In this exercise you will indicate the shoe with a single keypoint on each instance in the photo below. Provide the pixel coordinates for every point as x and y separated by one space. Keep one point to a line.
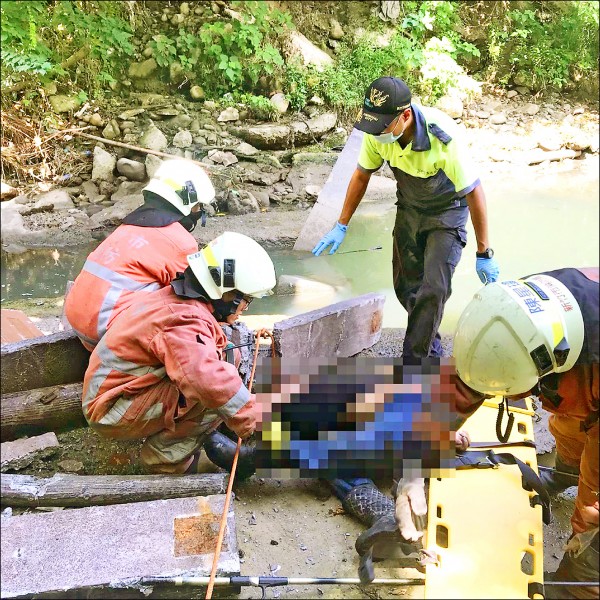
220 450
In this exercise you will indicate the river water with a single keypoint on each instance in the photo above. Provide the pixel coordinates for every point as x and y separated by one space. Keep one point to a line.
537 223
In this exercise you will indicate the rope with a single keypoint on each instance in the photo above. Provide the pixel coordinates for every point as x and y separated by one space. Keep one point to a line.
261 333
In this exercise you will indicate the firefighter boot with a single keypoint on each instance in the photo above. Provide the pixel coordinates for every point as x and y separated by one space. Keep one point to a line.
220 450
577 566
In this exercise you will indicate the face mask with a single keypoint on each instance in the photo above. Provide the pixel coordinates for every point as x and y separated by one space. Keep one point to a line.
387 138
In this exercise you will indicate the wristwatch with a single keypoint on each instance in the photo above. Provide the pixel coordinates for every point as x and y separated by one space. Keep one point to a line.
488 253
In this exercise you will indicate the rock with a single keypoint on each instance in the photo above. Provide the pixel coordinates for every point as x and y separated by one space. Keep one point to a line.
182 139
550 143
72 466
262 177
112 131
578 140
142 70
125 200
152 163
246 149
579 110
62 104
103 166
59 199
335 30
184 8
316 101
313 190
389 10
96 120
181 121
229 114
269 136
451 105
132 169
319 158
67 223
90 189
280 102
177 19
241 202
524 91
299 46
154 139
50 88
262 198
176 73
531 109
197 93
148 52
222 158
482 114
20 453
126 115
498 118
511 94
210 105
7 191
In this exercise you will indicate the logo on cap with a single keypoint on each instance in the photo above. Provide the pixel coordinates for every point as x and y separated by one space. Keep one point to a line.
376 98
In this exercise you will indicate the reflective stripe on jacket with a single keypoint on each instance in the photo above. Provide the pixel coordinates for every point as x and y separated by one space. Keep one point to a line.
160 339
131 259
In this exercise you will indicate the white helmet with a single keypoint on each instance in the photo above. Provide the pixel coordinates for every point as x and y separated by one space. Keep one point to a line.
515 332
233 261
183 184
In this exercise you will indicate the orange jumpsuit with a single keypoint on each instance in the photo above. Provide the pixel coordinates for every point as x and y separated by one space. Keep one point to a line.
158 374
131 259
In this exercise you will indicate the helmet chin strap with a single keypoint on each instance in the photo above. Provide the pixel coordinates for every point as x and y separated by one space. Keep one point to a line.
225 309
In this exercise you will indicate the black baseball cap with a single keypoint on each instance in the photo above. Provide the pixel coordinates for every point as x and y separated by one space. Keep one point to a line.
385 98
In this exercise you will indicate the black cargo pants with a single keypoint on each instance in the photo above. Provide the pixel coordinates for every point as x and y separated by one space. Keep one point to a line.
427 249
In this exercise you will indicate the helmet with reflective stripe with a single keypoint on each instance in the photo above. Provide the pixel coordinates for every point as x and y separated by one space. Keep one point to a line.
183 184
512 333
233 261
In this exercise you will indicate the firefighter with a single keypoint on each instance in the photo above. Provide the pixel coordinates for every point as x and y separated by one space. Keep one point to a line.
540 335
159 371
144 253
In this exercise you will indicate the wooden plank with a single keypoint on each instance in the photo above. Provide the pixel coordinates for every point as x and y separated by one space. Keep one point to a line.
44 361
16 326
99 490
32 412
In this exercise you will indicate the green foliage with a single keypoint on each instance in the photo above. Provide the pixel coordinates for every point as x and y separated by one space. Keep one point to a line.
37 36
238 52
541 49
260 107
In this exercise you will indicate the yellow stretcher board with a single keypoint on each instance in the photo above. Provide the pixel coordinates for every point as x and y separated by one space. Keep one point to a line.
481 524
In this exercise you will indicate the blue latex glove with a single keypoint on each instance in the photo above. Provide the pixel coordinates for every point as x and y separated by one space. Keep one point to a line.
487 269
335 237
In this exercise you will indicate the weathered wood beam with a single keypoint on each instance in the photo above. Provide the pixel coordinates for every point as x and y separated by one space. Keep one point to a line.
44 361
100 490
32 412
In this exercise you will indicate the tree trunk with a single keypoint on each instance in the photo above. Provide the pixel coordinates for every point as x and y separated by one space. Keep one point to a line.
38 411
96 490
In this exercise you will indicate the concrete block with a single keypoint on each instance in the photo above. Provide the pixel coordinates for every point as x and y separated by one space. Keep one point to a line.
342 329
54 359
21 453
110 548
326 210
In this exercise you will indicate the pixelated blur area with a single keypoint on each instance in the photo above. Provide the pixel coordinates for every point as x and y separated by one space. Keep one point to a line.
355 417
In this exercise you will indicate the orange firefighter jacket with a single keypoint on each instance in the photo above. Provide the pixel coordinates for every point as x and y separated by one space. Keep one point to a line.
131 259
159 347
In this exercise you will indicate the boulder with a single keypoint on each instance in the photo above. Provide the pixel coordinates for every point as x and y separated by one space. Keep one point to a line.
126 115
154 139
229 114
335 30
112 130
62 104
8 191
152 163
103 165
241 202
280 102
197 93
182 139
59 199
531 109
132 169
451 105
246 150
222 158
125 200
142 70
268 136
498 118
299 46
96 120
